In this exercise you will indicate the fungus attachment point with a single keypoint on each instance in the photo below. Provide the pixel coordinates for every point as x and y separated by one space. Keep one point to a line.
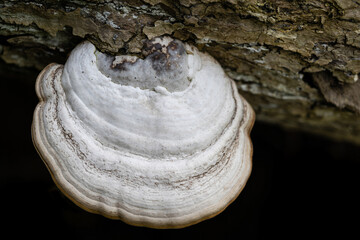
166 65
160 142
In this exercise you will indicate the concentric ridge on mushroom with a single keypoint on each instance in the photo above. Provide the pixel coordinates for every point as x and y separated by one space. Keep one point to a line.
160 142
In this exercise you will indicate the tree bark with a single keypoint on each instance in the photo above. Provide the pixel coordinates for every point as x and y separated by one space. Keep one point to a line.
296 62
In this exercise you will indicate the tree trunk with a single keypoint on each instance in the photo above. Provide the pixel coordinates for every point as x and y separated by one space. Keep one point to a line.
297 62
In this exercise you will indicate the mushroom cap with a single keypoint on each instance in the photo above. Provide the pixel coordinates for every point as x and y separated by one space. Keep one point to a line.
161 142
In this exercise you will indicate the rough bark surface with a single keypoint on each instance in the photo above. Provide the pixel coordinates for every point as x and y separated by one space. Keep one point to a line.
297 62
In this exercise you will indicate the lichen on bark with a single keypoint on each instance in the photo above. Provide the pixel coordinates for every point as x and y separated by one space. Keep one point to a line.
275 50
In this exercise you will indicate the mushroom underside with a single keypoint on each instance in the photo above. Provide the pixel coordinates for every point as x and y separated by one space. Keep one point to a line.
154 158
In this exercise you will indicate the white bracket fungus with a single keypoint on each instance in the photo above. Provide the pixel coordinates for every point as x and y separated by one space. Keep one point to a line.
160 142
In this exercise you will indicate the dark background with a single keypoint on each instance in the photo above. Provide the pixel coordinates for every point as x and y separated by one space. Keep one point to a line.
301 186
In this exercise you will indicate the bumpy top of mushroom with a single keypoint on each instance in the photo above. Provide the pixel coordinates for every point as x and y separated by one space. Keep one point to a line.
159 142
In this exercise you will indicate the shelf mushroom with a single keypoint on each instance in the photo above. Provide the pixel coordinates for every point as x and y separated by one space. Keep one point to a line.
161 142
